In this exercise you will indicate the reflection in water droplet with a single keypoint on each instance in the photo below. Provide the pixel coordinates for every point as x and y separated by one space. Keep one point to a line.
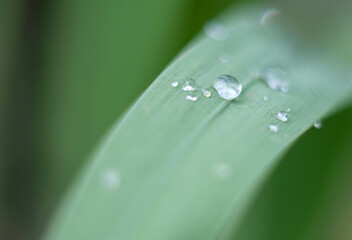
222 171
110 179
174 84
216 31
191 98
265 98
228 87
224 57
206 93
189 85
269 14
282 116
318 124
274 128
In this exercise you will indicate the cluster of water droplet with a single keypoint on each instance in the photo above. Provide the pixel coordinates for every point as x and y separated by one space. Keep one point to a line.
281 116
227 87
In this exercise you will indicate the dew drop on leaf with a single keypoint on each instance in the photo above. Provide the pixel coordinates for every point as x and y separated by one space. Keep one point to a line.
174 84
189 85
282 116
224 57
274 128
191 98
216 31
318 124
227 87
276 79
110 179
222 171
206 93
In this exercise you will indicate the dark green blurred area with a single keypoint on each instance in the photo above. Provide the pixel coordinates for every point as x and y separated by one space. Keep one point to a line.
70 68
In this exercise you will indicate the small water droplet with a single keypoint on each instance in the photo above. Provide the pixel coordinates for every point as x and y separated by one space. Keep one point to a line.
216 31
174 84
276 79
287 109
222 171
189 85
282 116
228 87
318 124
284 87
110 179
274 128
224 57
206 93
191 98
265 98
269 14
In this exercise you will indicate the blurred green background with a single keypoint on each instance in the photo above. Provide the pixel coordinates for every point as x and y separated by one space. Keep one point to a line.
70 68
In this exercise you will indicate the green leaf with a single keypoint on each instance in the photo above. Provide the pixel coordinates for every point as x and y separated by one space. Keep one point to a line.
176 169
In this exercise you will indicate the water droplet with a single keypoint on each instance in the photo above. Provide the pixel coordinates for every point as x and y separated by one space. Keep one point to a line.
276 79
222 171
189 85
265 98
110 179
274 128
191 98
224 57
174 84
287 109
269 14
206 93
216 31
284 87
318 124
282 116
228 87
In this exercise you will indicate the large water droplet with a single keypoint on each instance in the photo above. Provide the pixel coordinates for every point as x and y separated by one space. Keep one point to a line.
228 87
189 85
174 84
318 124
274 128
216 31
110 179
282 116
269 14
191 98
206 93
